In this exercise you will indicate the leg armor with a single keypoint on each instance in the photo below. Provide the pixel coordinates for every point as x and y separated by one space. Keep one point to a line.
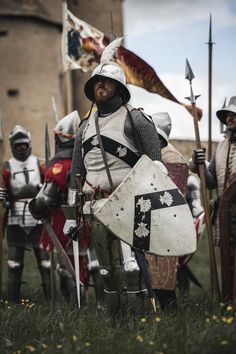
123 283
167 299
93 267
67 285
44 265
15 267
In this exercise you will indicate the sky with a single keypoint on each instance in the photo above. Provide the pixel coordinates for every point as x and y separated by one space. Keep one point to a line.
167 32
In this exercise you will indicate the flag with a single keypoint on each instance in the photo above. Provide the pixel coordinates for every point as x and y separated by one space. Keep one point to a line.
83 45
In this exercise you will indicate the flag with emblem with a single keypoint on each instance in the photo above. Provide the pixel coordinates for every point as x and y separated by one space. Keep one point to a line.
83 45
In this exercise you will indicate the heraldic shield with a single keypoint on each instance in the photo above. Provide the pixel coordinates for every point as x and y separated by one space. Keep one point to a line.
148 212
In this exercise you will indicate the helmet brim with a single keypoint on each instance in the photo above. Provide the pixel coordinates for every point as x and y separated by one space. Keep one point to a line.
89 89
222 113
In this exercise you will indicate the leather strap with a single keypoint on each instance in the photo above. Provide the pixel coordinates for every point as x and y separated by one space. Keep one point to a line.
103 153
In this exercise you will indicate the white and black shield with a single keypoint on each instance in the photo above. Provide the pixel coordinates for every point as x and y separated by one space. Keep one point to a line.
148 212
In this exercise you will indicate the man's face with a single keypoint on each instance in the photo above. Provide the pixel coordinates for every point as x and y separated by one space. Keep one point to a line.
104 89
231 121
21 147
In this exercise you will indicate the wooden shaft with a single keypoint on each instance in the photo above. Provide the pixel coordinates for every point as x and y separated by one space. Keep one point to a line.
1 249
52 279
213 269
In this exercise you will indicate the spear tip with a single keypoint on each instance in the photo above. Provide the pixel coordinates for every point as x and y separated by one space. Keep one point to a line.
189 75
1 133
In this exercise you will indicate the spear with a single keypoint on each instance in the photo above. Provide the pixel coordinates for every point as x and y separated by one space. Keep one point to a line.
213 270
1 206
47 158
210 46
54 108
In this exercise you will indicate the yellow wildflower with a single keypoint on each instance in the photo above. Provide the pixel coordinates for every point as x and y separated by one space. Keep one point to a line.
74 338
214 317
224 342
151 342
87 344
44 346
59 346
30 348
158 319
31 305
139 338
229 320
229 308
143 320
222 304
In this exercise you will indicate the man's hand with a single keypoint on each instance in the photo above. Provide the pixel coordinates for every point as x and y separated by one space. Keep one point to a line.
70 229
3 194
199 156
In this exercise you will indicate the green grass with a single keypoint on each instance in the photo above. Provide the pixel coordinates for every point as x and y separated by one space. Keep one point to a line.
200 326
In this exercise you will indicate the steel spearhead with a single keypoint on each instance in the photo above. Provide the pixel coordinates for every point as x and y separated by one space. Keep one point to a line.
47 146
1 134
189 75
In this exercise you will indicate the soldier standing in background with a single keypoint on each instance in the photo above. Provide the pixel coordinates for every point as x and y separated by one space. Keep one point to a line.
23 176
164 269
47 205
221 175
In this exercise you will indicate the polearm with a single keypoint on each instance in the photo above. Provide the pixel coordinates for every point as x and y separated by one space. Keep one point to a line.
210 47
47 158
1 206
54 108
213 270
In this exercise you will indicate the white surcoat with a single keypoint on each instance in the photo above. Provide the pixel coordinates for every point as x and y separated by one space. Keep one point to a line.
111 126
25 176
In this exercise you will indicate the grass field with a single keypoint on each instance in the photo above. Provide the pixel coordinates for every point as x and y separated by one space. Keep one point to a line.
201 325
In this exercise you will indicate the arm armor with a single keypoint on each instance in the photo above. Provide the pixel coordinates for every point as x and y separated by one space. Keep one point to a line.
194 196
47 198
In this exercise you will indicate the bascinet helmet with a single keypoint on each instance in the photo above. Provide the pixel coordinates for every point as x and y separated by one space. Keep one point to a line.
111 71
20 135
222 113
66 129
163 124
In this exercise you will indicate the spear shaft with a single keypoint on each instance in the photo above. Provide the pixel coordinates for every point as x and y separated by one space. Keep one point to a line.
210 47
213 269
1 206
52 275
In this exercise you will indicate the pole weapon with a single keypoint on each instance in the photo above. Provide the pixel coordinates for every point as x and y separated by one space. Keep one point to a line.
1 206
47 158
210 47
213 270
142 263
54 108
222 128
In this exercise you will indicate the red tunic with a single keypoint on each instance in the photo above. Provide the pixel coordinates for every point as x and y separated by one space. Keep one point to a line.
57 173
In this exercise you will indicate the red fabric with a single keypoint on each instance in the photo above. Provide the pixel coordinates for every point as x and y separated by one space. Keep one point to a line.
57 173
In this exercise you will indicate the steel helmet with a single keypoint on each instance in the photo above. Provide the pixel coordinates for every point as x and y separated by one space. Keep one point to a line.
163 124
111 71
66 129
20 135
222 113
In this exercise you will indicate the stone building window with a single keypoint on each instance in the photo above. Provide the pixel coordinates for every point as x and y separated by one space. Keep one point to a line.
13 92
3 32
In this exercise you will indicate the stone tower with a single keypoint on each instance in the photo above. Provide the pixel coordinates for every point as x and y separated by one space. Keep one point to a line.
31 64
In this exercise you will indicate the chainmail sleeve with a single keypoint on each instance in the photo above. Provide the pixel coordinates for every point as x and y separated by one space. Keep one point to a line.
146 134
211 178
77 165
